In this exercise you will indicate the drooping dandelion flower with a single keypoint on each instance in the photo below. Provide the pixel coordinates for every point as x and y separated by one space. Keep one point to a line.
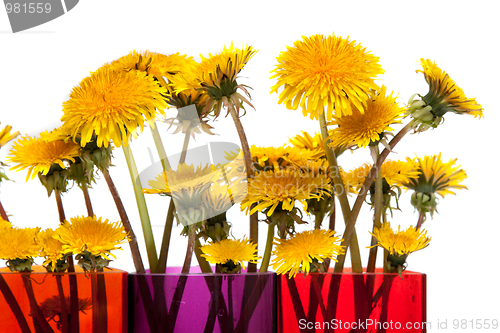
444 96
436 177
329 72
112 104
364 127
93 235
297 253
38 156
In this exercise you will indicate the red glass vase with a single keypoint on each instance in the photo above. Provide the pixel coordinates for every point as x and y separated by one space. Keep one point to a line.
47 302
352 302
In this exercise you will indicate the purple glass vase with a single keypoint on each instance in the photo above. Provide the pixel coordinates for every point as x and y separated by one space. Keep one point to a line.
197 302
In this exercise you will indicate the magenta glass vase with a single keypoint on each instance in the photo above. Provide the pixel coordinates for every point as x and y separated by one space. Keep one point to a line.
196 302
352 302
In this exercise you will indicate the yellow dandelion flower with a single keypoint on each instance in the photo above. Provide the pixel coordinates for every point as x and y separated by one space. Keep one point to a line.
185 175
395 173
155 64
112 104
38 156
6 135
217 76
16 243
219 198
268 189
4 224
435 177
325 72
281 157
400 242
306 141
364 127
57 134
93 235
297 253
51 247
237 251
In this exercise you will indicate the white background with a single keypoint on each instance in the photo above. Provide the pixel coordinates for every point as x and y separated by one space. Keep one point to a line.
40 66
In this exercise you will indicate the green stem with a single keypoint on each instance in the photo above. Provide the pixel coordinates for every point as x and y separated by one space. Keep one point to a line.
377 215
185 146
160 148
247 156
349 230
167 232
143 209
341 192
267 251
204 264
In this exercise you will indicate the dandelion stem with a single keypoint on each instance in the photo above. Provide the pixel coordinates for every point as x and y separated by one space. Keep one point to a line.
60 209
421 219
167 232
267 251
190 249
204 265
134 247
165 243
341 195
88 203
3 214
73 288
349 230
247 156
378 210
11 300
143 209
